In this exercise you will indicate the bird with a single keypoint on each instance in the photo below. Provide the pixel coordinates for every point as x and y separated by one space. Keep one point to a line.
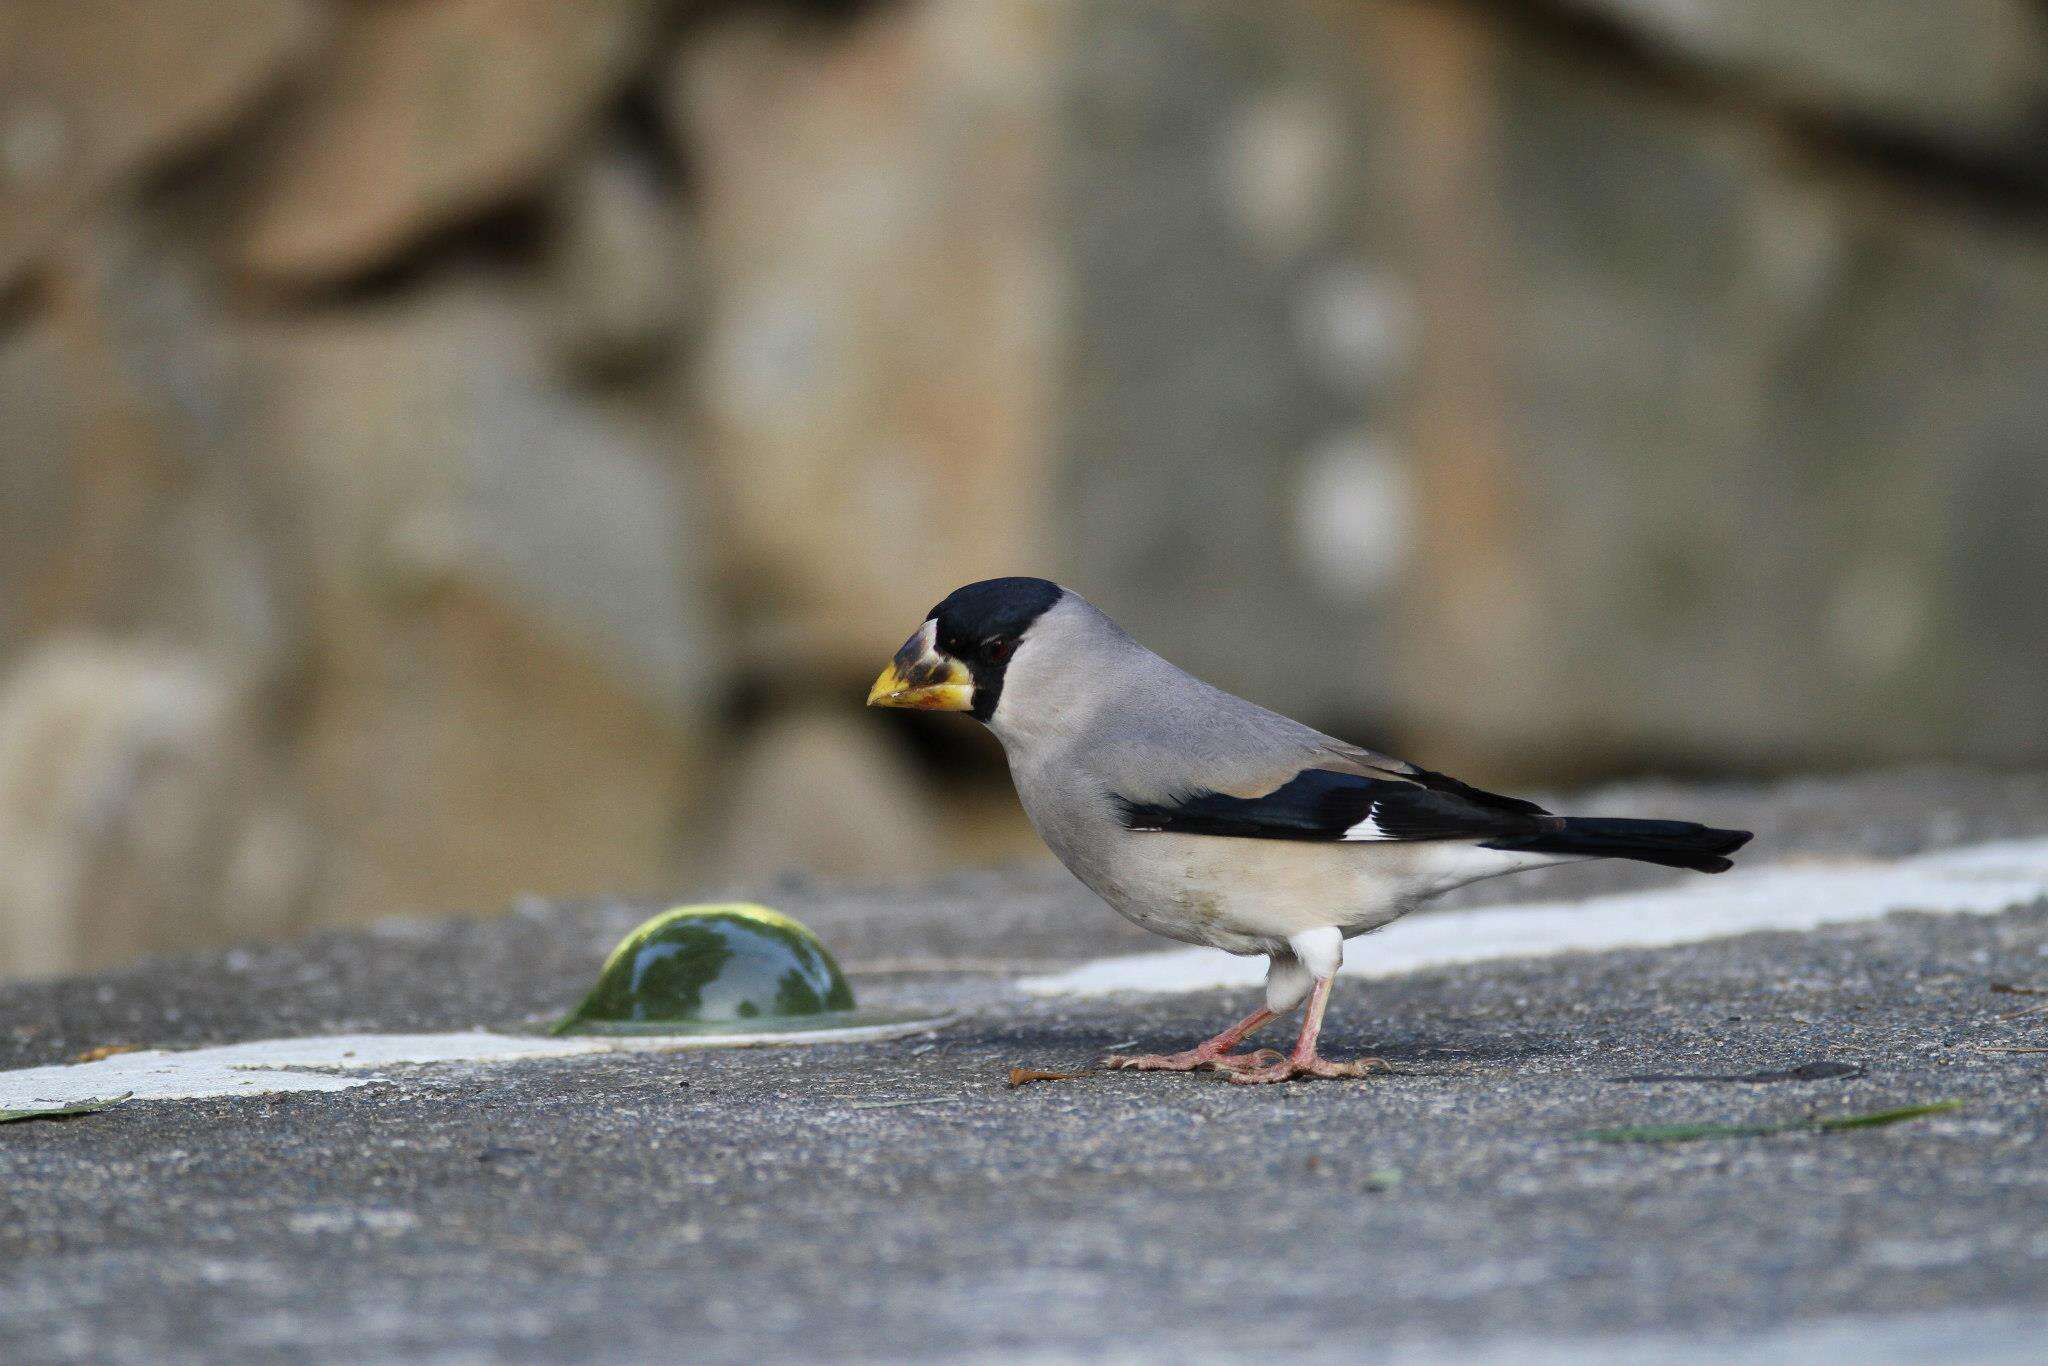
1211 820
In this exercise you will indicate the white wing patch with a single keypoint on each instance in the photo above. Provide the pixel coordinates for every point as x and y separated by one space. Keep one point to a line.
1366 829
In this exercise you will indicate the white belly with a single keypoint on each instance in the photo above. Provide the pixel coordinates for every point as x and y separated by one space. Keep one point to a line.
1241 895
1250 896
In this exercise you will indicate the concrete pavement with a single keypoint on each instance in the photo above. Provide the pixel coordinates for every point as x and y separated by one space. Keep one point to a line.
901 1201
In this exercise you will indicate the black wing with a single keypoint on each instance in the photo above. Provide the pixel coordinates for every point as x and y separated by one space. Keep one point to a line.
1329 805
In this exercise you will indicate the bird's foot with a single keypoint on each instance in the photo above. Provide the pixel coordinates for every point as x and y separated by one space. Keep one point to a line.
1288 1069
1194 1060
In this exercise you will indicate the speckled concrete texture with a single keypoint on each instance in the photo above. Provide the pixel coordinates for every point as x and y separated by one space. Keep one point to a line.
900 1201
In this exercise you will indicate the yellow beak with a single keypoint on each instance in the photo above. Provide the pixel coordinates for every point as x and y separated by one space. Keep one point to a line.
922 679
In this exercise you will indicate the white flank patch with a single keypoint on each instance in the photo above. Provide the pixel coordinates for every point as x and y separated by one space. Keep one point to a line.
1367 829
1977 879
268 1065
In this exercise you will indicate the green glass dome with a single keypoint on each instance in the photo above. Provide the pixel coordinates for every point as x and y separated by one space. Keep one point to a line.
729 968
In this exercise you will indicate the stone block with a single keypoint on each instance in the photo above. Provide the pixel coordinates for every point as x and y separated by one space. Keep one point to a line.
816 792
1967 72
877 374
1232 476
625 268
509 669
135 813
1750 427
129 500
427 113
95 92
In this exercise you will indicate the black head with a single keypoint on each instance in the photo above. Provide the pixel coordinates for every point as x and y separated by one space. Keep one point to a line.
980 625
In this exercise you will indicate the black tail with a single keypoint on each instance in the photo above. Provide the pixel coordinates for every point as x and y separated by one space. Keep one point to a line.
1675 844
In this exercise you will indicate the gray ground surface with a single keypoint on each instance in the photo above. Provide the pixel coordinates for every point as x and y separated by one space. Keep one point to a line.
900 1200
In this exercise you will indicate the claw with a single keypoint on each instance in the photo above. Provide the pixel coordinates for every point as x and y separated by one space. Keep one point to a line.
1209 1055
1288 1069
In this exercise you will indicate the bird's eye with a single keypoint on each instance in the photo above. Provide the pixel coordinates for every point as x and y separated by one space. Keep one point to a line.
999 648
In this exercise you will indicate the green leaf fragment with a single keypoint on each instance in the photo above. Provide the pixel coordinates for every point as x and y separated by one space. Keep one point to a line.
1872 1121
1686 1133
83 1107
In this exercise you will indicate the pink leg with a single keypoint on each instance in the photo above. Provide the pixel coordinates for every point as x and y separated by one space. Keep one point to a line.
1213 1054
1303 1062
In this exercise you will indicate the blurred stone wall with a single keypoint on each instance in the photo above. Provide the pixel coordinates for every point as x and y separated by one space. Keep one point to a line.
1578 387
452 449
